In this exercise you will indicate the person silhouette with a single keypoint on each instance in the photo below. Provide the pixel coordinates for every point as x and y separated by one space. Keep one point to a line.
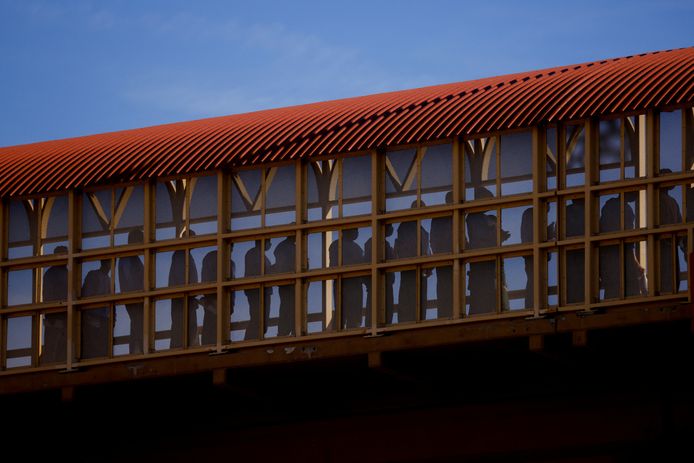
609 255
252 261
669 213
352 291
634 273
131 275
285 255
575 258
177 276
482 281
482 226
208 274
527 237
441 241
575 218
389 276
406 246
232 296
95 326
636 283
669 208
55 323
689 211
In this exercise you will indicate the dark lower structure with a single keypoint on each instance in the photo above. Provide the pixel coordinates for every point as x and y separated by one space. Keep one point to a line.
612 394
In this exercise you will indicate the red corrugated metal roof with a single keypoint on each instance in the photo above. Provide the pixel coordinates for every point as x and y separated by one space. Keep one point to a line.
632 83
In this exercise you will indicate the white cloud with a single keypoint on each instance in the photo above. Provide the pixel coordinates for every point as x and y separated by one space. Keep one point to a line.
285 66
296 68
197 101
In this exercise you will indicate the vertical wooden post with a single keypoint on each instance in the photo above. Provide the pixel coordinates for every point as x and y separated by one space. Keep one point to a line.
219 376
539 214
579 338
458 178
377 237
375 359
4 222
589 209
72 276
536 342
299 198
4 231
67 393
651 158
223 259
148 316
3 346
496 139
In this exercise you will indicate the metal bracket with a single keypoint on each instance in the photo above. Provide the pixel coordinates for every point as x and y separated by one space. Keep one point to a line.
68 370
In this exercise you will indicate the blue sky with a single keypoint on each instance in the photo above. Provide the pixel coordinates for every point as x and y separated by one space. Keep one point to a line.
72 68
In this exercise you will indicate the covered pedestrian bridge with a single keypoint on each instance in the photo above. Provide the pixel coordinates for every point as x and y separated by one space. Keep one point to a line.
491 256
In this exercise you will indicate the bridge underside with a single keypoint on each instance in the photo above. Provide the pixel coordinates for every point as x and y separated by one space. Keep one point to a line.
609 394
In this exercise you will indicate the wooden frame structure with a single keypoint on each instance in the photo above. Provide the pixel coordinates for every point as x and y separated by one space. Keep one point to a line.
377 266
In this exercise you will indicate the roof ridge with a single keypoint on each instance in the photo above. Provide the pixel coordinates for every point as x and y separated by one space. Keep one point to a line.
513 79
568 92
541 73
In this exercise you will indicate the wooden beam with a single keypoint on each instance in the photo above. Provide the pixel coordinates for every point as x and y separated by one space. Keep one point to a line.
375 359
378 164
299 201
149 233
98 208
590 168
46 210
287 351
690 282
539 217
121 204
73 278
4 233
223 260
252 204
652 199
579 338
67 393
458 282
536 342
219 376
487 152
